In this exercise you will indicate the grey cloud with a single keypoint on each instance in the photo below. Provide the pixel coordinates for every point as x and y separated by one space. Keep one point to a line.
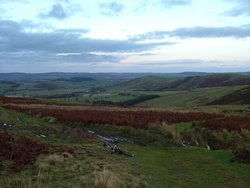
183 65
14 1
241 7
63 41
16 44
111 9
211 32
162 3
7 26
151 35
57 11
64 1
170 3
177 62
147 54
87 57
198 32
42 57
238 11
23 57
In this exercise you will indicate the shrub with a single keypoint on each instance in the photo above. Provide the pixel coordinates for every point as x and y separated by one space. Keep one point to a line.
20 150
242 155
136 118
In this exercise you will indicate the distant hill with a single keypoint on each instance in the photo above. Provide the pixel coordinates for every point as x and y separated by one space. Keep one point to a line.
116 76
214 80
7 86
45 85
160 83
19 83
241 96
78 79
148 83
61 75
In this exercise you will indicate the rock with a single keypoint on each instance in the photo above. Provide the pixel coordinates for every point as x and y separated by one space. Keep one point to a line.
208 147
42 135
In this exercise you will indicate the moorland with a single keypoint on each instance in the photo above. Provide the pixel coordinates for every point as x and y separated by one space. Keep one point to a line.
186 129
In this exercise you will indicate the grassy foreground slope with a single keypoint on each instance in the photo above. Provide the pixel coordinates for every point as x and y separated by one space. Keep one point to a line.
178 167
88 164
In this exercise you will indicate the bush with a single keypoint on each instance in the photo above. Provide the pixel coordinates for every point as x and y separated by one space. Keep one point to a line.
242 155
20 150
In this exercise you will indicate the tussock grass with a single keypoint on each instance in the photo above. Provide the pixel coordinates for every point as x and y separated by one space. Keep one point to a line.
26 181
110 179
107 179
169 131
53 160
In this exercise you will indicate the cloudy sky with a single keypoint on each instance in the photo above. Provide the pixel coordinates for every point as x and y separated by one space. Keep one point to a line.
124 35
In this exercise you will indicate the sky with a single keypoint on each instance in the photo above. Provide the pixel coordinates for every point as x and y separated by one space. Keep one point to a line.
124 36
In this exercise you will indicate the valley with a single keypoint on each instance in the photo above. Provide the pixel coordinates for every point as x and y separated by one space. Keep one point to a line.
179 135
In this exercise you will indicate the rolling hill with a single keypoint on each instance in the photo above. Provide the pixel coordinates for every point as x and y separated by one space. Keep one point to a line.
113 76
160 83
146 83
241 96
190 98
214 80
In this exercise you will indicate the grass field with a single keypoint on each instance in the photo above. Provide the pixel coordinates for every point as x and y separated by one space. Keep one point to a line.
168 99
178 138
157 163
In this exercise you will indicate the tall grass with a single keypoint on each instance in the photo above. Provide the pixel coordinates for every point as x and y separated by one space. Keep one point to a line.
171 132
26 181
168 132
107 179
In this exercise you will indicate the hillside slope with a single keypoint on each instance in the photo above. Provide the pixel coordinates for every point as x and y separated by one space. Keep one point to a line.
160 83
241 96
215 80
190 98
